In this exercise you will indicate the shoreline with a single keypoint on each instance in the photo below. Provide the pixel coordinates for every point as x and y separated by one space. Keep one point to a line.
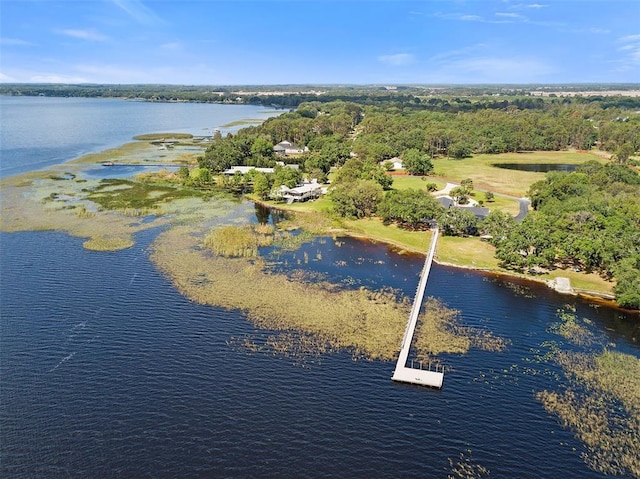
129 151
599 297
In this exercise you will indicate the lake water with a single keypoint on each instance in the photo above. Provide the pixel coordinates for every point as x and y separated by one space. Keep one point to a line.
107 371
538 167
36 132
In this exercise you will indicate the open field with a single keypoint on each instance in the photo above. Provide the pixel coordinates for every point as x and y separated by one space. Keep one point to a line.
404 182
487 177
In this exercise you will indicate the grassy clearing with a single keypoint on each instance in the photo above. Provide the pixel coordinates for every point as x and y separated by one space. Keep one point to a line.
512 182
500 203
470 252
404 182
584 282
404 240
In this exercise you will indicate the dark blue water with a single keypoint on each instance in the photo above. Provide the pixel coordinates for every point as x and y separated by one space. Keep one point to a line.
107 372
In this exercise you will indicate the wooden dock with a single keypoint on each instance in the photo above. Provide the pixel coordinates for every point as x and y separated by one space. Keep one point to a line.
412 375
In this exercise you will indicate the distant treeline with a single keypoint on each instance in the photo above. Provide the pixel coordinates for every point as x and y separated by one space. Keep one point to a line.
436 98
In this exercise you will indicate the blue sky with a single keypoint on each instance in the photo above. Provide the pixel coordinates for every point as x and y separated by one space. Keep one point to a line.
216 42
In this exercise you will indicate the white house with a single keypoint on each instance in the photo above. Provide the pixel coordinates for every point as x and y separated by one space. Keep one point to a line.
306 191
286 148
245 169
395 162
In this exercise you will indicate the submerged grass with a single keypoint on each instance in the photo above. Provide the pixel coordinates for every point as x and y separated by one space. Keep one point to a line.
369 323
602 407
601 403
439 331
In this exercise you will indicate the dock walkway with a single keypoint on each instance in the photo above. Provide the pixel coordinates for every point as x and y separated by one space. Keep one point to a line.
411 375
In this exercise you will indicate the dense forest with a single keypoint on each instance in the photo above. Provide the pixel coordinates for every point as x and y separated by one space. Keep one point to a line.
450 98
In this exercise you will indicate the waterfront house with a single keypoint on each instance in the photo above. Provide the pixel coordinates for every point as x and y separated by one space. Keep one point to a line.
308 190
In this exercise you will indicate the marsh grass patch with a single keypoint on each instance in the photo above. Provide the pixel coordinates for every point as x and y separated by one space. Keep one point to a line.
113 243
302 350
120 194
222 269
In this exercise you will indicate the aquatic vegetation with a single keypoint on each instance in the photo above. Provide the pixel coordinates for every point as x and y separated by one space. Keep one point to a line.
571 328
111 243
439 331
233 241
163 136
465 468
602 407
301 349
369 323
119 194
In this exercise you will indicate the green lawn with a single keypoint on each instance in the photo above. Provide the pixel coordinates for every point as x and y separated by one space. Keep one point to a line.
466 252
485 176
417 241
405 182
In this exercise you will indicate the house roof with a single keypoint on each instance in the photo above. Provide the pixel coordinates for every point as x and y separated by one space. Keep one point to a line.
245 169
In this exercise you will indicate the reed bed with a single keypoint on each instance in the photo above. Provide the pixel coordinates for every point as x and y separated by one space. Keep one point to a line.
571 328
239 241
302 350
601 404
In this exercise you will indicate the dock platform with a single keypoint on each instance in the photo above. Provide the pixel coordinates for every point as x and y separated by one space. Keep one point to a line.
411 375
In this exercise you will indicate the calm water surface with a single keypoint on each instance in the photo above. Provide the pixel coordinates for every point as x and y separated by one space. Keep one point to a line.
36 132
106 371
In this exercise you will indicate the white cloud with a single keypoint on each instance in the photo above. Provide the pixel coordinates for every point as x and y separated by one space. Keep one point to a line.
15 42
630 45
138 11
171 46
398 59
55 78
451 55
523 6
469 18
515 16
6 78
88 34
102 73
